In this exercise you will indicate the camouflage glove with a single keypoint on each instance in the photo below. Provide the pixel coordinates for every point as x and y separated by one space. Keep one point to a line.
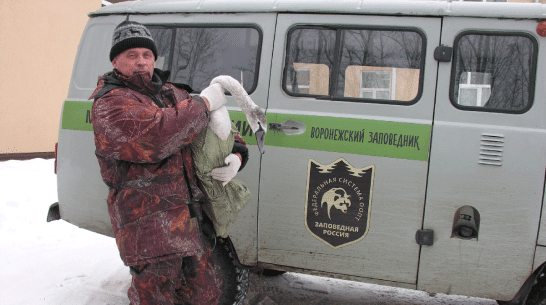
228 172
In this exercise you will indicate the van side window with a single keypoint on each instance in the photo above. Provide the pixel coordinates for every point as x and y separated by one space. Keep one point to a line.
378 65
493 72
195 55
90 63
163 40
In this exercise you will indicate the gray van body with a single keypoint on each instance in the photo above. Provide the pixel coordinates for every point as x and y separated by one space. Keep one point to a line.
420 158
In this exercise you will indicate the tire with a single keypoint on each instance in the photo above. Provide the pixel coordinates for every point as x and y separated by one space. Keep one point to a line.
235 278
537 295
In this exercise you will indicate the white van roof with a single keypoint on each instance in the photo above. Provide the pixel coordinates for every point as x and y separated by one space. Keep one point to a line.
370 7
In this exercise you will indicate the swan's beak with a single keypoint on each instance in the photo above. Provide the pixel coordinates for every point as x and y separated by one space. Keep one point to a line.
260 138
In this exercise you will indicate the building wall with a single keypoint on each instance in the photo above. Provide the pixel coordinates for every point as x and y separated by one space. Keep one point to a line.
39 40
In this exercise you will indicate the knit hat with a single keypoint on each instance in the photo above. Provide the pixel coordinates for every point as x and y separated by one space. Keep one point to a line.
130 34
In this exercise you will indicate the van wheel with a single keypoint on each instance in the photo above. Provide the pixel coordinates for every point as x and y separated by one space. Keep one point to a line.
235 278
537 295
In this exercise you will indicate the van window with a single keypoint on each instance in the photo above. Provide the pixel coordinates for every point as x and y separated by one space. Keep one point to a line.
195 55
493 72
382 65
163 40
91 63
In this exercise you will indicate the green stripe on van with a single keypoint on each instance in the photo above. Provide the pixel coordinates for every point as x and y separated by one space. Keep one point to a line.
354 136
77 116
342 135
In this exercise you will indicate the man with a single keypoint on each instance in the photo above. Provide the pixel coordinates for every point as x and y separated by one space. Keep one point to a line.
142 127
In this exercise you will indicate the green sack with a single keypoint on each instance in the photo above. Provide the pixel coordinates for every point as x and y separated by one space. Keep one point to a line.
224 202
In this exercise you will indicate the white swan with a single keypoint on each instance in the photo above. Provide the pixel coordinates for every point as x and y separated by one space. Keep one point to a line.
212 154
220 122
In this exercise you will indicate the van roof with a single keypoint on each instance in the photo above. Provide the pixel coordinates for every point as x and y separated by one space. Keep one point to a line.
369 7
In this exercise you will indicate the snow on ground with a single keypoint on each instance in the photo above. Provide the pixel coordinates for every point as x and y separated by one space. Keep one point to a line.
60 264
51 263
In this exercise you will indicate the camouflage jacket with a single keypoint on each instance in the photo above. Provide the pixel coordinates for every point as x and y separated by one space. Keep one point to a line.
142 128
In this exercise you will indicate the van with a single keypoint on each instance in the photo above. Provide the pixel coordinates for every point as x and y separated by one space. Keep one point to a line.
406 141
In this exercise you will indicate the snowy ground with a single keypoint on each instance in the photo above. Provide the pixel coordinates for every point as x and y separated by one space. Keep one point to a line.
51 263
59 264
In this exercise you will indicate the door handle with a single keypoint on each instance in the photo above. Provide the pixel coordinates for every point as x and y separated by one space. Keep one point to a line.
289 127
279 126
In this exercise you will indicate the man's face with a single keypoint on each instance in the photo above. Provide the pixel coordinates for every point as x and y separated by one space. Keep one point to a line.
134 60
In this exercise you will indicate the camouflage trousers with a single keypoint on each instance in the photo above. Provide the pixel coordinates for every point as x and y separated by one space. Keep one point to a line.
188 280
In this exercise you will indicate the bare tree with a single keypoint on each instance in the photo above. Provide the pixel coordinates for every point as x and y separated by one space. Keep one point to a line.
163 40
195 57
313 46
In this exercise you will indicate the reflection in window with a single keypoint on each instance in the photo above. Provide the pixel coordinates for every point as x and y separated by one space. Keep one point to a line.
369 64
309 79
202 53
474 89
311 50
376 84
388 61
494 72
302 81
163 40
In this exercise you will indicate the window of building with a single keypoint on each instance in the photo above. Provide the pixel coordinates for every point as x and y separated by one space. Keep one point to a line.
302 80
474 89
376 84
493 72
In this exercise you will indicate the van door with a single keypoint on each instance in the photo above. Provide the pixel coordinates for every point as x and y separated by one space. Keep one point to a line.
488 154
239 45
195 48
343 178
